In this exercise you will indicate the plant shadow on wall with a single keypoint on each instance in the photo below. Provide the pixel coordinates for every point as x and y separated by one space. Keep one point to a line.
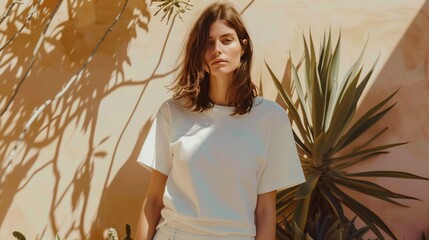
63 51
322 110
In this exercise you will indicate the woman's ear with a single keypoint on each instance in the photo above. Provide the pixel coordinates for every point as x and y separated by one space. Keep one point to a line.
243 42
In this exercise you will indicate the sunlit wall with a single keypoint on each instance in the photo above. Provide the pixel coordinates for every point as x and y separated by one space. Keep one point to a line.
75 172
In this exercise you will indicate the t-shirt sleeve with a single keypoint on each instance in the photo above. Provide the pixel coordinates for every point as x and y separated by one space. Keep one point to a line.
283 167
156 152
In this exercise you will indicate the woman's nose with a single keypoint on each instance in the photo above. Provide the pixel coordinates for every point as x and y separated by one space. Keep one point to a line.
217 49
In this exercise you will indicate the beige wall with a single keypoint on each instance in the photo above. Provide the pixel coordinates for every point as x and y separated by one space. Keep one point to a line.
76 173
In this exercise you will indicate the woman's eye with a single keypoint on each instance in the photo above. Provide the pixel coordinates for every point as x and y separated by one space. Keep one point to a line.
227 41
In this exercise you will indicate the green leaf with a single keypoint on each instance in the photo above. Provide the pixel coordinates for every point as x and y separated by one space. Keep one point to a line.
345 163
333 202
301 60
370 150
303 197
371 189
290 106
358 130
332 79
378 134
392 174
342 114
307 72
301 98
285 192
284 200
162 6
324 61
316 93
319 149
361 87
364 213
350 73
281 233
365 122
305 189
301 145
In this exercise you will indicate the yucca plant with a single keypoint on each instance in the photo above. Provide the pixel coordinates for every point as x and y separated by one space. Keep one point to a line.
322 226
325 226
324 127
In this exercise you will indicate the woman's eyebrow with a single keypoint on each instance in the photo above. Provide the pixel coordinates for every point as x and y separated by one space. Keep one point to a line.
224 35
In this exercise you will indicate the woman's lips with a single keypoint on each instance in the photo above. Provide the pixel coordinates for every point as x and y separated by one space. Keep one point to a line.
220 61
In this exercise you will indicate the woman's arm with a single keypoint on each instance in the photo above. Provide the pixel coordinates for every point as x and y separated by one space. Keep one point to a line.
265 215
152 205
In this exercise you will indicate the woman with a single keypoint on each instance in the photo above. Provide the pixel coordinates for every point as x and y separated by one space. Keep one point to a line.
217 152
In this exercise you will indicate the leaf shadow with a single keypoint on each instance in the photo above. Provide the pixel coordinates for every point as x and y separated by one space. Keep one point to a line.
63 53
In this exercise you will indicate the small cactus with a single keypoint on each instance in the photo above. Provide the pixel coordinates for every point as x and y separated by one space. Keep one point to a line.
18 235
57 237
112 234
128 232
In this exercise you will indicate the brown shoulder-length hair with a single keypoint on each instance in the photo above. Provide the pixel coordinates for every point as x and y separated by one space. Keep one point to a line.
193 81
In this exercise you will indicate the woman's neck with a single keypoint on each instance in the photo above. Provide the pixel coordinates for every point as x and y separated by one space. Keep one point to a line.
218 91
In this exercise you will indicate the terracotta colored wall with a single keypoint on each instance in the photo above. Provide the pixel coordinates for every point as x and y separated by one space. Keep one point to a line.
76 173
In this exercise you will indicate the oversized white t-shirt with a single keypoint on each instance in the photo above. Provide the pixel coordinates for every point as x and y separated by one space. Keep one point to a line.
217 164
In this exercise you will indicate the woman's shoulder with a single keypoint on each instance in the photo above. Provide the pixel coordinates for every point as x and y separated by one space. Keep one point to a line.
270 110
173 105
264 104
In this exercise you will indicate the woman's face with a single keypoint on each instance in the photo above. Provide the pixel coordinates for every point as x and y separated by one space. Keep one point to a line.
223 51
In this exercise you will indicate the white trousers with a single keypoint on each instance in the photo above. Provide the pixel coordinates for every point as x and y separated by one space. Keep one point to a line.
166 233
